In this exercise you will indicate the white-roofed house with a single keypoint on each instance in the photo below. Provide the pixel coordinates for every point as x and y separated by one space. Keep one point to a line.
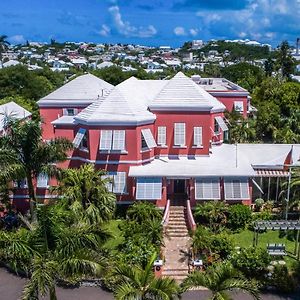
11 110
160 139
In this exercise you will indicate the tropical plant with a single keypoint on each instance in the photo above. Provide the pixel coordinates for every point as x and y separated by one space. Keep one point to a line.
213 213
282 279
239 216
3 45
136 282
24 154
86 188
53 249
252 261
221 279
142 211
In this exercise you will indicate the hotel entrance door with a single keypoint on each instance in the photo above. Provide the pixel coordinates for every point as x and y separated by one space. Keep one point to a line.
179 186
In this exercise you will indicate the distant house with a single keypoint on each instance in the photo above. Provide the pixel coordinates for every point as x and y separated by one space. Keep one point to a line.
11 110
10 63
105 64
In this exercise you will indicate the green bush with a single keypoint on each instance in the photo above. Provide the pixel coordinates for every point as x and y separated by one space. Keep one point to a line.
239 216
282 280
259 202
253 262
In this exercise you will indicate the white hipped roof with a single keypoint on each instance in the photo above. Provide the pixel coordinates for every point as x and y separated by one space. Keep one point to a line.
131 102
12 110
182 93
84 89
226 160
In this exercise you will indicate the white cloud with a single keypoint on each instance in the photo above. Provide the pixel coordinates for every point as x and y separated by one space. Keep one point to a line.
105 30
194 31
179 31
125 28
17 39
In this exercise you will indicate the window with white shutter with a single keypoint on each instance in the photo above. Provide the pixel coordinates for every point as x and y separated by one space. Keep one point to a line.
148 188
236 189
148 137
179 134
161 135
105 140
197 136
42 180
207 189
70 111
78 138
117 184
112 140
118 140
239 106
221 123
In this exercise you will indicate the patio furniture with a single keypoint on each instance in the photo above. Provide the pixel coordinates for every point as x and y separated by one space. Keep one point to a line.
276 249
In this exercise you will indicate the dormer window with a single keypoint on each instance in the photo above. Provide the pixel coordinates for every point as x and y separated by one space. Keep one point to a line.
70 111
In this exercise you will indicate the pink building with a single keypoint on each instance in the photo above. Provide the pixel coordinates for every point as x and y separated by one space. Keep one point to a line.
161 139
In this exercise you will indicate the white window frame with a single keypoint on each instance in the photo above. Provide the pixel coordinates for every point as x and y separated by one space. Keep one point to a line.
198 136
148 188
66 111
179 134
162 136
239 106
118 143
236 188
112 140
149 139
42 180
79 136
207 188
118 184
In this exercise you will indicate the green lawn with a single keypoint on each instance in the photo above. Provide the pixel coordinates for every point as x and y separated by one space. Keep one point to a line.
245 239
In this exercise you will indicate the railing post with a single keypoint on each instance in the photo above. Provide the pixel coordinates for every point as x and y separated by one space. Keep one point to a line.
190 217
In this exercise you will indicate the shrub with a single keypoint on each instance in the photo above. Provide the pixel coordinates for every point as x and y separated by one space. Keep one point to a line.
213 214
239 216
253 262
222 244
282 280
259 202
142 211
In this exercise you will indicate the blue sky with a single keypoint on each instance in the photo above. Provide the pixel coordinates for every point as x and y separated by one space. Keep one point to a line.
150 22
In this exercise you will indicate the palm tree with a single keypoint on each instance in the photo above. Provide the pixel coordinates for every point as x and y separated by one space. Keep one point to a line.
23 154
141 211
87 188
221 279
3 45
137 283
54 248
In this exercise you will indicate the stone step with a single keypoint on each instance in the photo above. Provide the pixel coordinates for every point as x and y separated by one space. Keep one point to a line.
172 235
177 225
179 218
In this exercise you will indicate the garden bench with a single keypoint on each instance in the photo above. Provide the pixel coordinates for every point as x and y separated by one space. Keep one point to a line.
276 249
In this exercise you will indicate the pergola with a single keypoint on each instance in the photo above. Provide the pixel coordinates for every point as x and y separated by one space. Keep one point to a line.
278 225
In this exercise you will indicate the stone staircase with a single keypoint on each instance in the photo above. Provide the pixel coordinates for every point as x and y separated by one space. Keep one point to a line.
177 243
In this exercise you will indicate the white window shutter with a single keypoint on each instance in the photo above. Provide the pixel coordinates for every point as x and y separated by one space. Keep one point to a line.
75 111
79 136
148 188
65 112
147 134
105 140
119 184
118 140
236 189
221 123
109 185
42 181
179 134
207 189
162 135
198 136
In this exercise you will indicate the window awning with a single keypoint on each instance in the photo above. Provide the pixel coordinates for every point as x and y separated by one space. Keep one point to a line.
147 134
221 123
79 136
271 173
